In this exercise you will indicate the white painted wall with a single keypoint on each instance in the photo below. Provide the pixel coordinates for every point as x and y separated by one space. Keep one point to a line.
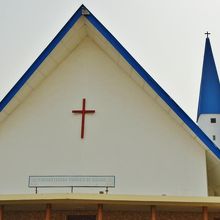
211 129
130 135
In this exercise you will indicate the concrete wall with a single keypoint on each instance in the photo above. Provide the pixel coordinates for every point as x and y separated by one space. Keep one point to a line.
130 136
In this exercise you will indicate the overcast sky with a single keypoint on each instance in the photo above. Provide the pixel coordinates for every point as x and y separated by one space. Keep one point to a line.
165 37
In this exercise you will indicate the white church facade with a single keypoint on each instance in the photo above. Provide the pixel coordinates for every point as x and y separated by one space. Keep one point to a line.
91 135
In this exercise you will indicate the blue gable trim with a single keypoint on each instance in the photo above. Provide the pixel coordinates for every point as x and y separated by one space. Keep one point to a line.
154 85
40 59
127 56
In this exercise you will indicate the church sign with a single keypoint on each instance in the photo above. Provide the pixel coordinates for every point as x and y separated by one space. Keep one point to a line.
71 181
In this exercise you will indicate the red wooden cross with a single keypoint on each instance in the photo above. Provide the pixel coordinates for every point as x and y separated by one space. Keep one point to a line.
83 112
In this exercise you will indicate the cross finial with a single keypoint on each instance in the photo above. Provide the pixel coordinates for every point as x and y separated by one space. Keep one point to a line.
207 34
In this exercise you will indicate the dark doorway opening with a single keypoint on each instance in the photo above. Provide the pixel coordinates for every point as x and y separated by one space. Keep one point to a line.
81 217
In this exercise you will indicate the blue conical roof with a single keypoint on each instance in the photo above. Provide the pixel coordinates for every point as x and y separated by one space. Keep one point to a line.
209 98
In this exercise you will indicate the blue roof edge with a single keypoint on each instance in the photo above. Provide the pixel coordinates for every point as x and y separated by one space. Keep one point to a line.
40 58
127 56
154 85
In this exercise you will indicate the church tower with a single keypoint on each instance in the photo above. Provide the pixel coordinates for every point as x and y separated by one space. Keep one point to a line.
208 116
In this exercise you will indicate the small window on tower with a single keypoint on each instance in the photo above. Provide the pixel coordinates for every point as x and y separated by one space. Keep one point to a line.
213 137
213 120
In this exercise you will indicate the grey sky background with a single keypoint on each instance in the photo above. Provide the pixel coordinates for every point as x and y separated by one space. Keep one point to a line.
165 37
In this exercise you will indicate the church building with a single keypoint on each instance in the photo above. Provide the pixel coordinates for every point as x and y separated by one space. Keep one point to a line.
86 133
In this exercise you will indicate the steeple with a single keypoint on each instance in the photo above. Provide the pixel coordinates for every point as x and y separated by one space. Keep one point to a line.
209 98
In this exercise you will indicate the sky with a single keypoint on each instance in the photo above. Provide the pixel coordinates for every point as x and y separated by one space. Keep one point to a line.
166 37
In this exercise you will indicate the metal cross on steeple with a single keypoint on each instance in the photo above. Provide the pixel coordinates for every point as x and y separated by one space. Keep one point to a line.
207 33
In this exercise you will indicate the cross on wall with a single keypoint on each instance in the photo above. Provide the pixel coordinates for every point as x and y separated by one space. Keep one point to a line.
83 111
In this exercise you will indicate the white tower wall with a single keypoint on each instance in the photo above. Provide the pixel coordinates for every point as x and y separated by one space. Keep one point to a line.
210 124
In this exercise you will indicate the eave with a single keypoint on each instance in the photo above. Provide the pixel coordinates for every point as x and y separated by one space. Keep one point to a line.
110 202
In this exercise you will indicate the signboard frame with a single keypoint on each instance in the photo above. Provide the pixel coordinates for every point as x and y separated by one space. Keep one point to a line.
71 178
